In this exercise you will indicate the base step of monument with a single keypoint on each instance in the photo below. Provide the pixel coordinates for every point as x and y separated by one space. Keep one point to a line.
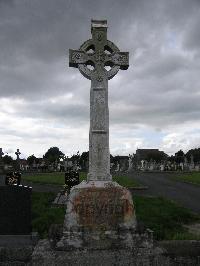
45 255
16 256
17 249
153 256
19 240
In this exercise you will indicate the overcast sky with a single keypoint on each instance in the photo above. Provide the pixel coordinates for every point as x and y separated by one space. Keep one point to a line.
153 104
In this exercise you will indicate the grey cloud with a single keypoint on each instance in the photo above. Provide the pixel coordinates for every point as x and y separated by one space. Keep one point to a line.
159 89
191 37
74 113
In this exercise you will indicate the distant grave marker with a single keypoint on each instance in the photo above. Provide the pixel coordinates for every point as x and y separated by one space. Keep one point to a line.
18 160
13 178
1 161
71 179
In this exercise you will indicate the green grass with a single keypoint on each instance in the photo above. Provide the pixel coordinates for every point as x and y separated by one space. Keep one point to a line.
57 178
126 182
184 236
193 178
43 215
164 217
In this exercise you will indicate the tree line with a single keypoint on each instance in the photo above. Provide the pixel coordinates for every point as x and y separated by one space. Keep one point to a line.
54 154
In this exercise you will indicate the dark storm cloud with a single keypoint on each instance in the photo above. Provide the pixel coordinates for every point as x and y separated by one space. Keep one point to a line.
159 89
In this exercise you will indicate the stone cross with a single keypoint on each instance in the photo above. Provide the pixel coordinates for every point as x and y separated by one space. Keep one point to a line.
1 153
130 162
1 161
99 60
18 160
17 153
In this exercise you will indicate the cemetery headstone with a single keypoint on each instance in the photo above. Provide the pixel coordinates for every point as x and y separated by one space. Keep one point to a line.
18 160
13 178
130 162
151 165
143 164
185 163
15 210
117 167
162 167
191 162
71 179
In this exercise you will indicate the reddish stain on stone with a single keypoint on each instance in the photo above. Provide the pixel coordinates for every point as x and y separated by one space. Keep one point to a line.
103 208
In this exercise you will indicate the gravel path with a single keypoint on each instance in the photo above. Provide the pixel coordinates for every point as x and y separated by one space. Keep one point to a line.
160 184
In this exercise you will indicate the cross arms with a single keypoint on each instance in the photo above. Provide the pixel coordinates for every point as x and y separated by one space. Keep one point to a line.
120 59
77 57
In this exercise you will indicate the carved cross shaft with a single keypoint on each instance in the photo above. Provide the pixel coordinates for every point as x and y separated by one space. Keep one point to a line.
99 60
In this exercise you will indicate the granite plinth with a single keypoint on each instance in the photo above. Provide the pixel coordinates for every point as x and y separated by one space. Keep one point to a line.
100 214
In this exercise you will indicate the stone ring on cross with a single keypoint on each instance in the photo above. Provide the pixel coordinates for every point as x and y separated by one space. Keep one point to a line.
98 58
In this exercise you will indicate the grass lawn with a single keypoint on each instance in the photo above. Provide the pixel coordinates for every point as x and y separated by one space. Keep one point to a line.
193 178
57 178
164 217
43 215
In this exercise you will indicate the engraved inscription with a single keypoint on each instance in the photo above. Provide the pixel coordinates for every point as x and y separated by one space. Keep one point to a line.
98 207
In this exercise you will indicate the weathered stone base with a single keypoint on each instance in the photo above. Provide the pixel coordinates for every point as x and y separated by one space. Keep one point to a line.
99 215
17 250
164 254
16 256
105 240
45 255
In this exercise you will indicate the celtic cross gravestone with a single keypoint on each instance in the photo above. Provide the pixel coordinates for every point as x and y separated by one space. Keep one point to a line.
99 211
18 159
99 60
100 225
